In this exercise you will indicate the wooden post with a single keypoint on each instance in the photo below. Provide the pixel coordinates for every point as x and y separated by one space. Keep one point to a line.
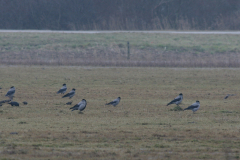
128 50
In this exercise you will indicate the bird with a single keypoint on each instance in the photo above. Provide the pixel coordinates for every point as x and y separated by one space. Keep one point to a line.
14 103
194 107
80 106
68 103
227 96
177 100
25 103
63 89
10 92
114 102
70 94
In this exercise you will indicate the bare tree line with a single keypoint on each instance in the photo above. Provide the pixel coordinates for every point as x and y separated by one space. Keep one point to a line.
120 14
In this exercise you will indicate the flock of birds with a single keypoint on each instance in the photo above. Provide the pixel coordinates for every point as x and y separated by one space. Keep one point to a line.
82 104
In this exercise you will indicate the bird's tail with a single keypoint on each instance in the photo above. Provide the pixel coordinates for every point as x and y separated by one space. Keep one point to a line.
169 103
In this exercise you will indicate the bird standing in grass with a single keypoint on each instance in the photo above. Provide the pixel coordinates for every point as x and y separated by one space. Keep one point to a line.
10 92
80 106
177 100
70 94
63 89
194 107
114 102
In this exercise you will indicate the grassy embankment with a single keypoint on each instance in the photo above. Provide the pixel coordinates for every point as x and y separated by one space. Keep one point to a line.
166 50
140 127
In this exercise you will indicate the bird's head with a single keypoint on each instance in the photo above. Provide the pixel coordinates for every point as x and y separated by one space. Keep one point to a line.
12 87
180 94
64 84
74 89
197 101
119 98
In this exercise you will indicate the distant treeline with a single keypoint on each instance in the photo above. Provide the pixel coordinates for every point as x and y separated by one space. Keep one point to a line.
120 14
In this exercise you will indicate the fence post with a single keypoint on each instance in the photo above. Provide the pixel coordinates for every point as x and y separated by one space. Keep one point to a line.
128 50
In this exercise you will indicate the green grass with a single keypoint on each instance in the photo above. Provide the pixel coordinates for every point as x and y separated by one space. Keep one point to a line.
140 127
71 49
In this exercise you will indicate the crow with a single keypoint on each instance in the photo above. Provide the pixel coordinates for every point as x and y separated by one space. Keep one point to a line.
70 94
10 92
63 89
80 106
177 100
114 102
194 107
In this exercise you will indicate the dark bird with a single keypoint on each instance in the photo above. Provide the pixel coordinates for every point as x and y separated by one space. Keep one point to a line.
10 92
114 102
63 89
80 106
68 103
177 100
25 103
70 94
227 96
194 107
14 103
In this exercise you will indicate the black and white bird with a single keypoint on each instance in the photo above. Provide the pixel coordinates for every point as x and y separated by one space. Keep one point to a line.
14 103
114 102
80 106
63 89
10 92
70 94
177 100
194 107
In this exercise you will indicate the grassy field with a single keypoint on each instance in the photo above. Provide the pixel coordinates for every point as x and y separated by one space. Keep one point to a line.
146 49
140 127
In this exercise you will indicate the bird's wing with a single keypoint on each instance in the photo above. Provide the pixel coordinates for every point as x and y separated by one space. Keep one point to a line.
114 101
194 105
69 94
62 90
176 99
75 107
10 91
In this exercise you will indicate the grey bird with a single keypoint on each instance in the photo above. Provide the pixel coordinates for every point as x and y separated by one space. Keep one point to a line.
80 106
177 100
194 107
14 103
10 92
70 94
114 102
63 89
